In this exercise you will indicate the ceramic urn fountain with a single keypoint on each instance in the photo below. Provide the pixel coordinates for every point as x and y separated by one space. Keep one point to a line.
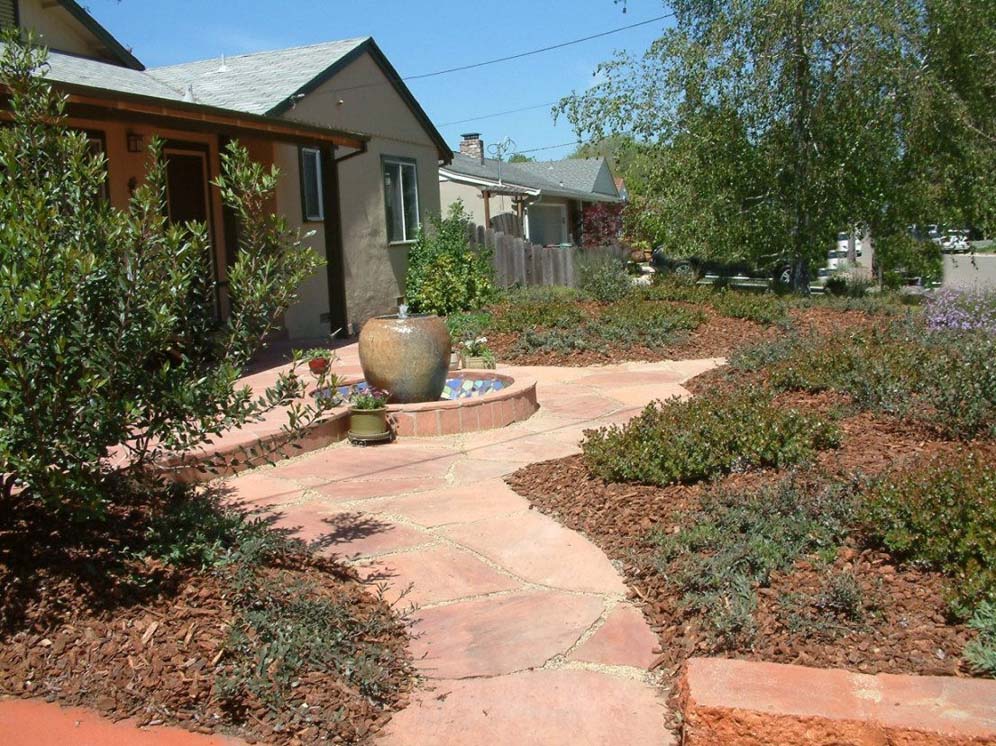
406 355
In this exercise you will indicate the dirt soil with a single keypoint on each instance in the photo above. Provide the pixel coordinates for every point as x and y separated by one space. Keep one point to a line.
79 625
903 625
717 336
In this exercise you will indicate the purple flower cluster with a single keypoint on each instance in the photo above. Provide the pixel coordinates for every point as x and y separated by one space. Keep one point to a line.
962 310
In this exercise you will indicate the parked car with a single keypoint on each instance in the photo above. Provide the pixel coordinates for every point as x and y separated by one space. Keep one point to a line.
779 270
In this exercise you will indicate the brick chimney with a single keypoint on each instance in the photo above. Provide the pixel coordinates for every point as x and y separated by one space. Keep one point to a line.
472 145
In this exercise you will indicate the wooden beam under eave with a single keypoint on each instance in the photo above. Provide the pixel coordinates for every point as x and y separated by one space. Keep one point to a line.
86 107
487 208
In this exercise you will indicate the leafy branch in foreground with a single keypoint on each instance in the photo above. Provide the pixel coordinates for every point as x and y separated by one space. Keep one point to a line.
111 347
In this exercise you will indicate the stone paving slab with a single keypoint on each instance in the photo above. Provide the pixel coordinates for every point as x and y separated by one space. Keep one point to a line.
540 550
464 503
34 722
501 634
534 708
435 575
623 640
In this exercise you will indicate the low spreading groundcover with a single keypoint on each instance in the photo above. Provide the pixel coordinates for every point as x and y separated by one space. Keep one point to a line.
175 609
776 540
666 320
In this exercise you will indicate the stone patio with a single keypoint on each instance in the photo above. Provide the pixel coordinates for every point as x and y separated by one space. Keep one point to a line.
523 633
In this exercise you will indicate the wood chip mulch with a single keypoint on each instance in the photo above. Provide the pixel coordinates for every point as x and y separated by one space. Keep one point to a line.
903 626
145 641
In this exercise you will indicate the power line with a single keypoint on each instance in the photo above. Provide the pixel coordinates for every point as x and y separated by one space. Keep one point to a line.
550 48
498 114
507 58
550 147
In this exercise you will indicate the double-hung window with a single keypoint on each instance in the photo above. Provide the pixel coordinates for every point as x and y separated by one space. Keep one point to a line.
401 199
312 196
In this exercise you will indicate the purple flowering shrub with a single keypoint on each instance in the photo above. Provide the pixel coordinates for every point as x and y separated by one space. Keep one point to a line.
962 310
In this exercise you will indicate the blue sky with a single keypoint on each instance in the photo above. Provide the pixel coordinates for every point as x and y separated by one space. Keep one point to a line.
418 36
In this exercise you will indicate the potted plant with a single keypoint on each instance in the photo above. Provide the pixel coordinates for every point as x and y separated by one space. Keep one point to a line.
319 360
476 355
368 415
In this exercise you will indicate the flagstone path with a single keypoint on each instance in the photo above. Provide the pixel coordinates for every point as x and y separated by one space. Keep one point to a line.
523 633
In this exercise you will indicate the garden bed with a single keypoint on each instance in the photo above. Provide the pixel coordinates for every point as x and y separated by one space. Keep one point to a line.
843 523
189 614
560 327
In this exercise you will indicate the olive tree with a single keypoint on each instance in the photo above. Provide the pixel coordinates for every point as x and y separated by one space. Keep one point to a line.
112 353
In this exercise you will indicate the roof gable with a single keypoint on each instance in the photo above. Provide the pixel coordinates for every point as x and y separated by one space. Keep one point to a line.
271 82
116 49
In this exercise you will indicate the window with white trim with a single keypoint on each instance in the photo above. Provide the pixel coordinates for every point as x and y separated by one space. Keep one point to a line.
312 196
401 199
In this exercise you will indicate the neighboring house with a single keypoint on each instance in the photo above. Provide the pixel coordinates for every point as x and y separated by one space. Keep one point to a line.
547 198
358 156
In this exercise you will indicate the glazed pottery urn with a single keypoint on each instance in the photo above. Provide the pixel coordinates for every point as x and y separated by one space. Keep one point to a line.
408 356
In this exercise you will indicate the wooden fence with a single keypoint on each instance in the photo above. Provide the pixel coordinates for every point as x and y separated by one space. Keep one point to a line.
518 262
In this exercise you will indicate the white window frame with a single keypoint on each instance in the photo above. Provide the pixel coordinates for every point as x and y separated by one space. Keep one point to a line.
408 232
318 217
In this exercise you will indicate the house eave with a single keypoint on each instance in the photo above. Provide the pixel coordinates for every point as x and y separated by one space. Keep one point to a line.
117 103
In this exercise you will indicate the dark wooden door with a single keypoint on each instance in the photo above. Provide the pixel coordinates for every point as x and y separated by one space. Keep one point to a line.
187 187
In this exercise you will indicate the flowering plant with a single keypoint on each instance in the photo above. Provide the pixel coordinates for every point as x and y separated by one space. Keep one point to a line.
476 347
962 310
368 398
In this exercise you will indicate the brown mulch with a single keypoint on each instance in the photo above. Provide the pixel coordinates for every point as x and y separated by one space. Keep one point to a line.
84 623
902 627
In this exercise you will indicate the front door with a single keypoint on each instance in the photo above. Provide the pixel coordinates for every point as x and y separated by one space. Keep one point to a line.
188 182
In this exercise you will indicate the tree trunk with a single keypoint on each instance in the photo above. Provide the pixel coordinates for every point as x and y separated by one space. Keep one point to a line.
801 106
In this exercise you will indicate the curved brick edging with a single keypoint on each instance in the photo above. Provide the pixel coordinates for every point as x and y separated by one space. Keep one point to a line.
514 403
746 703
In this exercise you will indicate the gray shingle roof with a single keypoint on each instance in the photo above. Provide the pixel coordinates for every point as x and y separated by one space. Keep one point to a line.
255 83
579 174
573 177
67 68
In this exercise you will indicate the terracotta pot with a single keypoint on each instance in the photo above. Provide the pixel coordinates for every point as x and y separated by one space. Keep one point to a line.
368 421
318 365
409 358
476 362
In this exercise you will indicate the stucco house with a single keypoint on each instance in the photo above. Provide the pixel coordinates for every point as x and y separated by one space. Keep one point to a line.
545 198
359 159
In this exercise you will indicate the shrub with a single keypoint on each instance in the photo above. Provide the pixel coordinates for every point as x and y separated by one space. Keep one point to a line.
761 308
944 379
108 334
524 313
445 275
942 512
733 541
602 276
465 325
557 340
685 441
633 322
981 652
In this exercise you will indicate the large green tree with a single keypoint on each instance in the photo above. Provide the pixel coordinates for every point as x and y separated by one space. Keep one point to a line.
768 125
